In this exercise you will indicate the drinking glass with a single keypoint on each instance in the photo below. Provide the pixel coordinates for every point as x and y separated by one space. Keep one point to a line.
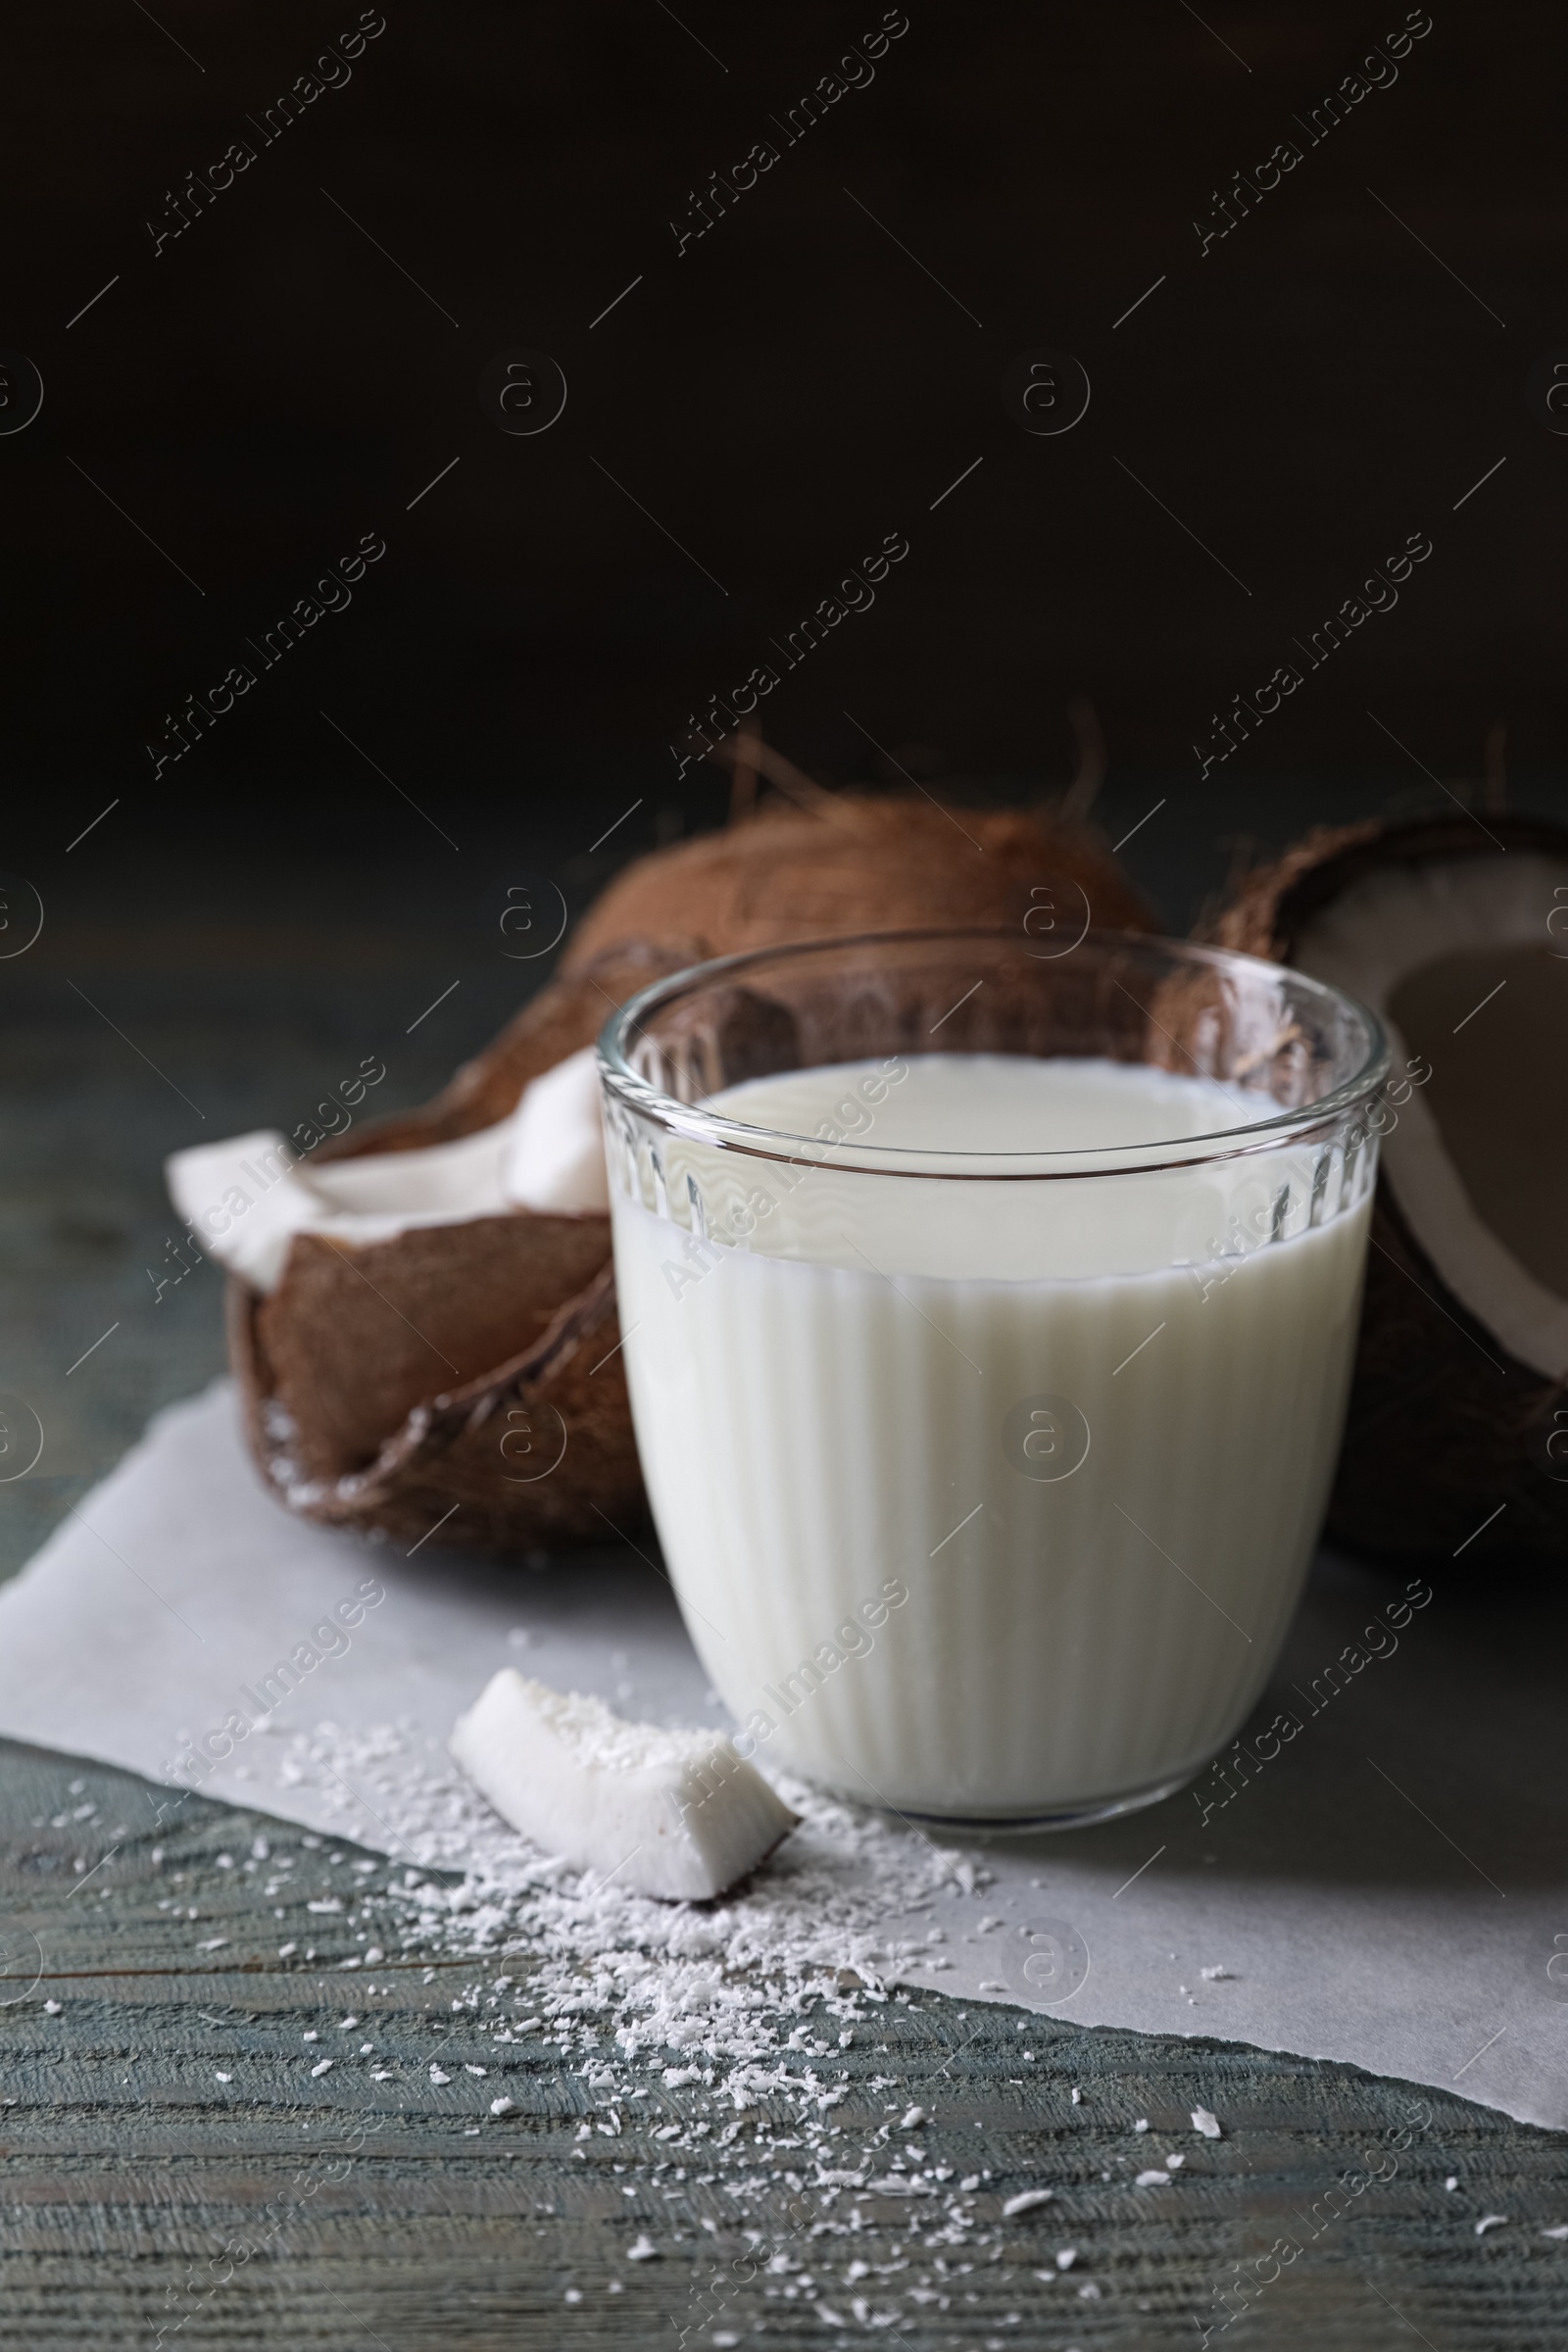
988 1479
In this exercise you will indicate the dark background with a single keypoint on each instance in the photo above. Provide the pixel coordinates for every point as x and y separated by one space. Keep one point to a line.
789 388
230 416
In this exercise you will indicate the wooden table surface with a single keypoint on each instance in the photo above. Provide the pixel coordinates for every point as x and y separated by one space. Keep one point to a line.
173 2169
171 2160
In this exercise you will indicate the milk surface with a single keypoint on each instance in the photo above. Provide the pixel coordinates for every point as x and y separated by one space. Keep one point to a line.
989 1498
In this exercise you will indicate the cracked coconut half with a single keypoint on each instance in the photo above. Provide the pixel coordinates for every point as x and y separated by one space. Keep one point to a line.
1454 932
423 1314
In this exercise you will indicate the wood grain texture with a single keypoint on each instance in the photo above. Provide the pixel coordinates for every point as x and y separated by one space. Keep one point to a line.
142 2190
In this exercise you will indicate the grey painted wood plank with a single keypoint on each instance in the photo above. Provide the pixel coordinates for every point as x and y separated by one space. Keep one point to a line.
401 2213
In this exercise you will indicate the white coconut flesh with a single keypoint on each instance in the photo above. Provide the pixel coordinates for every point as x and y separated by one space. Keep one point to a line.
246 1199
671 1813
1467 969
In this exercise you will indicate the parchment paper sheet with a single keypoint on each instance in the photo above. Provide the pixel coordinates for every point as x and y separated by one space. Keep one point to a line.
1388 1890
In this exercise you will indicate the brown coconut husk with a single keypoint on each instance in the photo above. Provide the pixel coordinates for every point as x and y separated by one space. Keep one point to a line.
865 863
382 1384
426 1378
486 1463
1444 1425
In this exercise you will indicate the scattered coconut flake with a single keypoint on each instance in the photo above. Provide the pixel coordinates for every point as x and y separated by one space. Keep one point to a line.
1452 2181
223 2078
1174 2163
1026 2200
1489 2220
1066 2258
1217 1975
748 2000
678 1812
1206 2123
1560 2231
436 2075
1141 2124
501 2106
642 2249
213 1944
52 2008
912 2116
1152 2179
321 2066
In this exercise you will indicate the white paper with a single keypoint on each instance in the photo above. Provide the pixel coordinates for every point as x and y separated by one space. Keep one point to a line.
1389 1890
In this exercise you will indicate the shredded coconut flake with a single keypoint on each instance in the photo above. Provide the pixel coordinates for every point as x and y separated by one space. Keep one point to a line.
721 2000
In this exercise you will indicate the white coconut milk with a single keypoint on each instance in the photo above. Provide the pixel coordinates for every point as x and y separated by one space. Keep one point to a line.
989 1500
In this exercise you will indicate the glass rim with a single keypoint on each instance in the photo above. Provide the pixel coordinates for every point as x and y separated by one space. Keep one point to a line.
698 1123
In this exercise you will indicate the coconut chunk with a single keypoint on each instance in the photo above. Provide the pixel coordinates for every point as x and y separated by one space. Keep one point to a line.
677 1814
245 1199
553 1154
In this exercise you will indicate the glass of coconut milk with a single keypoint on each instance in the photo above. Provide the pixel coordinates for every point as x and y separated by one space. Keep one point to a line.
988 1312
